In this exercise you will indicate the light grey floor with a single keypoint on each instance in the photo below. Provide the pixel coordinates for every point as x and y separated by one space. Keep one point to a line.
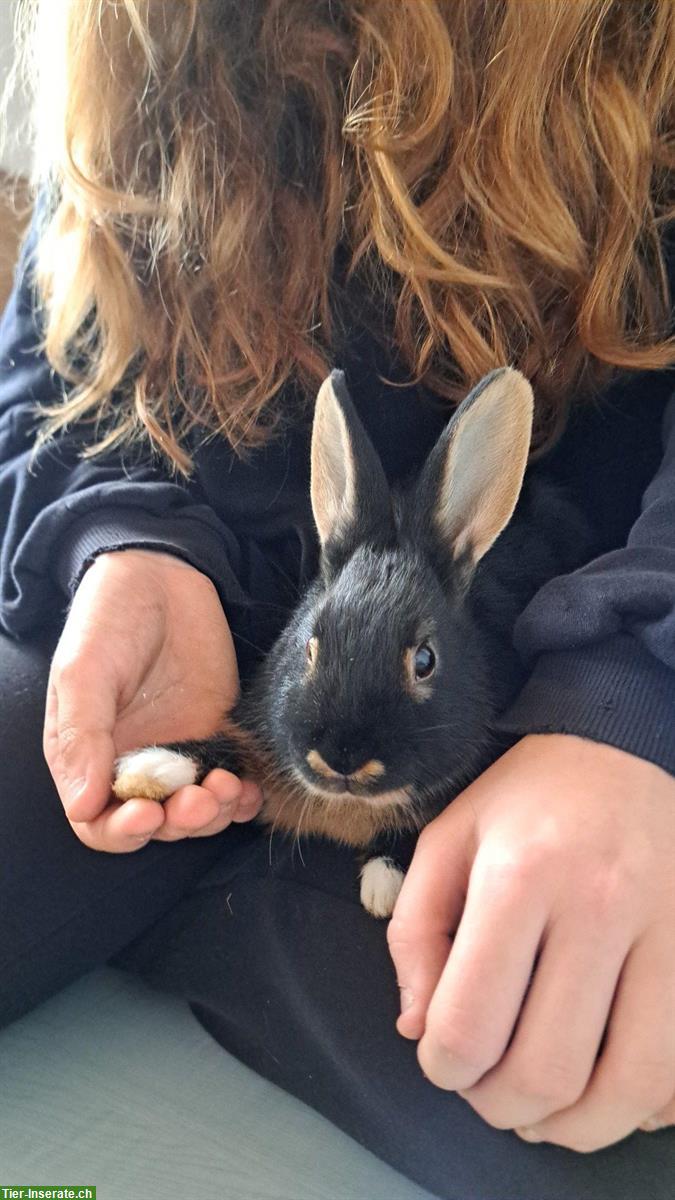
113 1085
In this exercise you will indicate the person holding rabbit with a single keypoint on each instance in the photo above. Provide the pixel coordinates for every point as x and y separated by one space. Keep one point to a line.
465 209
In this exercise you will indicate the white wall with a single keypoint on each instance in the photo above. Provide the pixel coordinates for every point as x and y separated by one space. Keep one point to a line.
15 152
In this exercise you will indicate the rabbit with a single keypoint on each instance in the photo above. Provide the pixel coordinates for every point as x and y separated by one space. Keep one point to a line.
376 704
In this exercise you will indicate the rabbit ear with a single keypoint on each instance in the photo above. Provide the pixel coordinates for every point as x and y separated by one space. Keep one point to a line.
473 477
350 496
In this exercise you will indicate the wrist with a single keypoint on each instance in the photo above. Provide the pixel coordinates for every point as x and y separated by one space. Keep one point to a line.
583 752
156 563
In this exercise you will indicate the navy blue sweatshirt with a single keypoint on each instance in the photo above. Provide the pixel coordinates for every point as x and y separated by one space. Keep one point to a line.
599 644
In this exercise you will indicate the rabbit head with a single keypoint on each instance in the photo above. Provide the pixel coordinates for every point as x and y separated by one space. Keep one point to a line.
379 685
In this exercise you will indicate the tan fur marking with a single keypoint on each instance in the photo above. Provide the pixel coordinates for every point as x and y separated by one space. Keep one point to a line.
312 654
318 764
378 800
373 769
353 821
132 786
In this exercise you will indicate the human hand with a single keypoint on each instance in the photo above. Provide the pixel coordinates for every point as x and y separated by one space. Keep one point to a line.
146 655
534 943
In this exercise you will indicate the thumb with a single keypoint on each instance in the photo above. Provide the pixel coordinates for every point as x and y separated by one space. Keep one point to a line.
428 911
78 741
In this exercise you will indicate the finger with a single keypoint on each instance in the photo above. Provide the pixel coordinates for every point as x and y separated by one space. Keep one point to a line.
121 828
635 1075
428 911
190 810
78 742
250 801
475 1006
227 788
551 1058
238 800
239 794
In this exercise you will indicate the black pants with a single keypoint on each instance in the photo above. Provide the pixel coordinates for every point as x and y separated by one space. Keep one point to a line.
278 961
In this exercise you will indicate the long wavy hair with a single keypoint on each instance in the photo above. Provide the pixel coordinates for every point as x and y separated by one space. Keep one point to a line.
498 172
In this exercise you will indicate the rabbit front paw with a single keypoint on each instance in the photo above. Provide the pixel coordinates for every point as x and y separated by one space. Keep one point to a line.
152 774
381 882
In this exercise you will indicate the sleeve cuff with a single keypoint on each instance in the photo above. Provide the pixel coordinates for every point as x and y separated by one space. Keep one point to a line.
125 528
612 691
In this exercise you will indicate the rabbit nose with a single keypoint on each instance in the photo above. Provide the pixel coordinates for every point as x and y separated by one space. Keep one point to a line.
371 769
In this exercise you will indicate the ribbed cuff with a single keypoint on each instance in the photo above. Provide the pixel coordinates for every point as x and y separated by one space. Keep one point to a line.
128 528
614 691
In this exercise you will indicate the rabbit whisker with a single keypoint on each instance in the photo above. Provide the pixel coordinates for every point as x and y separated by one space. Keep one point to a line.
238 637
275 823
298 832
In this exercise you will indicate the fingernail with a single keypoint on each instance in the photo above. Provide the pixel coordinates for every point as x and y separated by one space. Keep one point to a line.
75 788
652 1124
250 794
407 999
528 1134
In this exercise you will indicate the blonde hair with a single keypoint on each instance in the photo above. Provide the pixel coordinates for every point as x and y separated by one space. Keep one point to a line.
498 174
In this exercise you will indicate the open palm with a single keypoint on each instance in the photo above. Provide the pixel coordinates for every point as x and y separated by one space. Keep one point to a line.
146 655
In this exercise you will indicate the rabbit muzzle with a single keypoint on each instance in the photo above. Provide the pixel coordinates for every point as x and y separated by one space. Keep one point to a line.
365 783
340 780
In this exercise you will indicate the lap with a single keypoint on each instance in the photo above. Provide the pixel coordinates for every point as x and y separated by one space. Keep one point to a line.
66 909
278 960
286 970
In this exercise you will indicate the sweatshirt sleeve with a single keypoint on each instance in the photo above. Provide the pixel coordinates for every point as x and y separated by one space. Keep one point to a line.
58 510
600 642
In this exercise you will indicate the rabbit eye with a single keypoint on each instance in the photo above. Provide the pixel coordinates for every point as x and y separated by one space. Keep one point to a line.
312 649
424 661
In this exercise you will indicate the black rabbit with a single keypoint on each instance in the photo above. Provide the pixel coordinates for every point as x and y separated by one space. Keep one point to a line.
378 700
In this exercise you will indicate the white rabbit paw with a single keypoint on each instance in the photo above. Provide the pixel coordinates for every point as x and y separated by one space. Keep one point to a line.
152 774
381 882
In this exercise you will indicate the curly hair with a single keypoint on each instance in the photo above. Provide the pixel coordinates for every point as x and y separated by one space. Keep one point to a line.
499 173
